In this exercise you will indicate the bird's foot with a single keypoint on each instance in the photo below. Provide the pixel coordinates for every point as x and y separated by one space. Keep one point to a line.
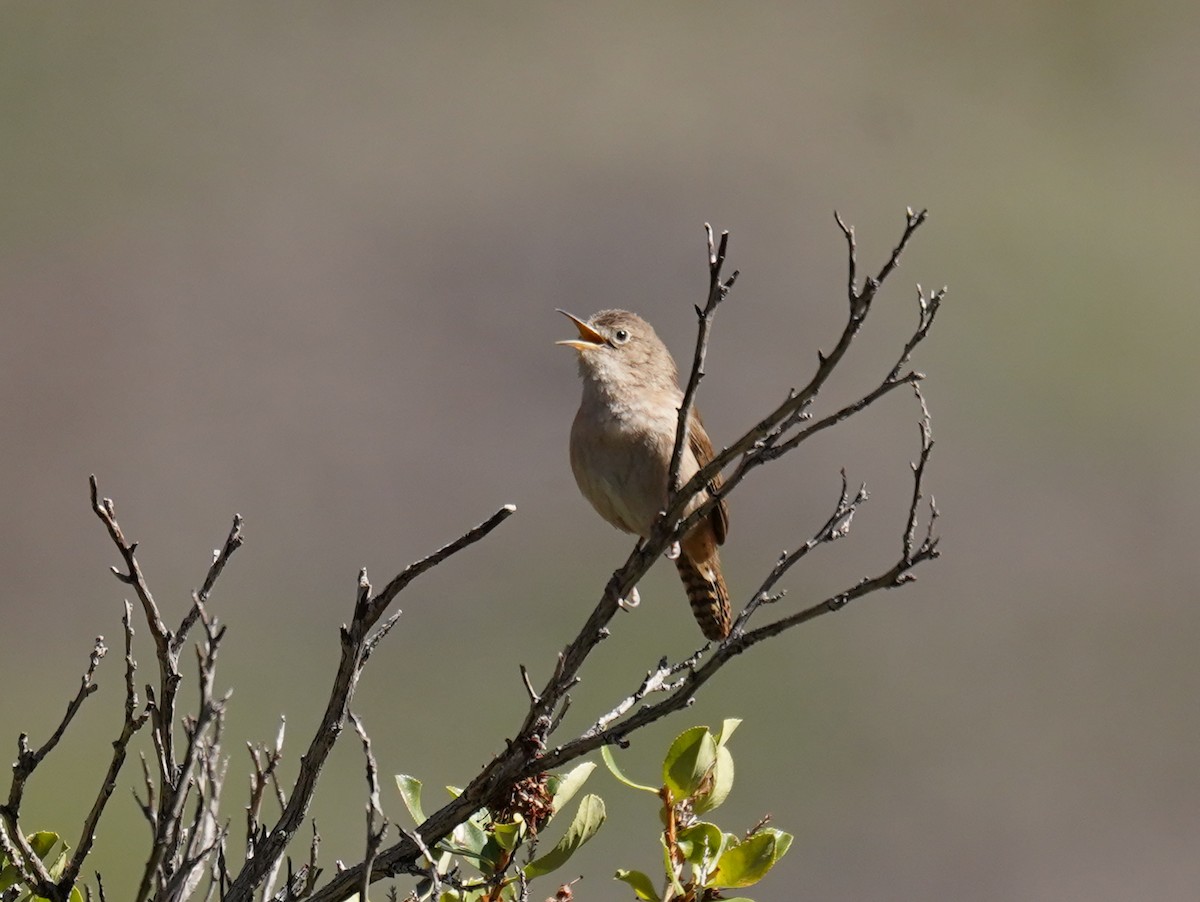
673 552
630 601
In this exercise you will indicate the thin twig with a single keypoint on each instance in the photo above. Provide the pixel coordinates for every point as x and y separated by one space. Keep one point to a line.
265 761
131 724
528 754
533 696
200 597
656 681
377 824
12 838
717 291
177 777
834 528
910 532
355 639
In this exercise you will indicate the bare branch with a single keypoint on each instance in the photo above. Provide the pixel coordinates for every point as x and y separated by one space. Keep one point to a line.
265 761
852 258
913 222
768 430
528 754
28 759
377 824
533 696
412 571
164 804
834 528
897 575
355 640
192 771
911 550
12 838
130 726
172 869
717 291
655 681
200 597
132 574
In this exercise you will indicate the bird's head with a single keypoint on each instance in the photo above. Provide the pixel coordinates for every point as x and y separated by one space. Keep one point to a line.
617 347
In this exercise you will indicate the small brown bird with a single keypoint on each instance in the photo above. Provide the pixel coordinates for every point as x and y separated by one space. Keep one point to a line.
621 444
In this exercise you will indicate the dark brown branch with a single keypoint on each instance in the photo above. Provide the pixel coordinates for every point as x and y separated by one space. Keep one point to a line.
12 838
836 527
656 681
524 755
768 430
176 777
762 442
192 770
169 676
897 575
910 547
27 758
265 761
913 222
200 597
130 726
170 869
377 824
717 292
167 865
355 640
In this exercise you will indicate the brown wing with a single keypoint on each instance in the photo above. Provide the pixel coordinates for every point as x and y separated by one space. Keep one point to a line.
702 449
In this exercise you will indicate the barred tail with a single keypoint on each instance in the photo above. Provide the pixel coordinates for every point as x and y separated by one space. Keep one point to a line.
707 594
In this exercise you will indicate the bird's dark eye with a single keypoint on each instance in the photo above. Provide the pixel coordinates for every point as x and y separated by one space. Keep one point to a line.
621 336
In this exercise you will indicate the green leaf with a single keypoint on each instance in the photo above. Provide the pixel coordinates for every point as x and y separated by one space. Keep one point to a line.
611 764
8 875
728 725
642 885
669 868
470 836
509 835
720 783
42 842
701 844
410 792
747 863
783 841
584 825
490 857
688 761
563 788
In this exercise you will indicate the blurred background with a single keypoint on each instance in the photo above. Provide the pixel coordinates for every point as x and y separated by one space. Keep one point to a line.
301 262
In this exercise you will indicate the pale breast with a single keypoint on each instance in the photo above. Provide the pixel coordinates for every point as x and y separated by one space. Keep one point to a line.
620 463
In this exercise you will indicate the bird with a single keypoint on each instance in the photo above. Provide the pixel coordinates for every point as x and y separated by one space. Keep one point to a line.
622 439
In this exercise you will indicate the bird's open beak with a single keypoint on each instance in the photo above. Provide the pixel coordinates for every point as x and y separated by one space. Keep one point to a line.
588 337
